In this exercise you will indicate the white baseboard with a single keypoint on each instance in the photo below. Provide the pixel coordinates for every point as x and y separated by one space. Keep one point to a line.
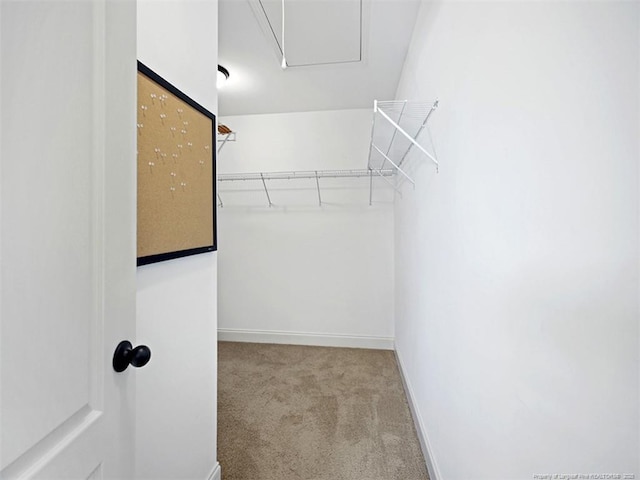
301 338
216 473
427 451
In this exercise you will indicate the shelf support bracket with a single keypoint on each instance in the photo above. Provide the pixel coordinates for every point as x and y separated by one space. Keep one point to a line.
396 166
408 137
395 132
379 172
219 200
370 186
373 129
264 184
318 187
224 141
424 124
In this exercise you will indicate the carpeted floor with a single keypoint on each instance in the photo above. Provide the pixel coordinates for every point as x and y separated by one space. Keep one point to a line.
289 412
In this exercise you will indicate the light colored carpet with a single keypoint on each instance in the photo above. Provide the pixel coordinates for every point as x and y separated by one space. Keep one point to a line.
289 412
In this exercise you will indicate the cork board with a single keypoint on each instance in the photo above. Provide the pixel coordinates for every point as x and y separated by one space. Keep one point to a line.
176 172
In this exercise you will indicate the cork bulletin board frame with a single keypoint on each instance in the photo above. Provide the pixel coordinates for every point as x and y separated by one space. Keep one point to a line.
176 172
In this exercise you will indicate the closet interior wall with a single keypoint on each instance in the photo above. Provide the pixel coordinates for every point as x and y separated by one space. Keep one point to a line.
176 299
320 273
516 266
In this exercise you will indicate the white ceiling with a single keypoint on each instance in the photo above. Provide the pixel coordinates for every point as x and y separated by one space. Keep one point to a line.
340 53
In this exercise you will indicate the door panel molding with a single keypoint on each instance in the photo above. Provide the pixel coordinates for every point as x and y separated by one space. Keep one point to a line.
65 65
35 459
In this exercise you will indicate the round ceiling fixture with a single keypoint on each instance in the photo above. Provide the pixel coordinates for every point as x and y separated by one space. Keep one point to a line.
223 75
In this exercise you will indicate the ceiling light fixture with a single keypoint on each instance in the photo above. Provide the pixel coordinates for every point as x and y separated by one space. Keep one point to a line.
223 75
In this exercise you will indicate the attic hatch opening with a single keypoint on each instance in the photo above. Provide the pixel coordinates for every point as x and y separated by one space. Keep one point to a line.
317 34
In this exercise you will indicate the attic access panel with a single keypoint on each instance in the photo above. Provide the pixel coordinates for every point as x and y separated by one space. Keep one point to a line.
316 31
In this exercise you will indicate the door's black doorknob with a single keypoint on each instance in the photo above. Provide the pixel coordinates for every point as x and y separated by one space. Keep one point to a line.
126 355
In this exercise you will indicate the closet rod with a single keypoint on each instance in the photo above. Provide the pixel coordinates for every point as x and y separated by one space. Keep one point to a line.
313 174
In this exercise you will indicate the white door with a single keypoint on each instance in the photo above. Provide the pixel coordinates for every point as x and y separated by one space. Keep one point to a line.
67 237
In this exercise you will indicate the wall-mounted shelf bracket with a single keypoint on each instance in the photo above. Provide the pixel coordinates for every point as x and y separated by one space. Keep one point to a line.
225 134
223 139
265 189
384 177
395 129
318 187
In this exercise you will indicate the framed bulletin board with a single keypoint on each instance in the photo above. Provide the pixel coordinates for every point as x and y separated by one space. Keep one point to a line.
176 172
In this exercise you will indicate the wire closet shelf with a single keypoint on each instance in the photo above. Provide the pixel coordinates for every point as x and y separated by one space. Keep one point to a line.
298 174
396 126
395 129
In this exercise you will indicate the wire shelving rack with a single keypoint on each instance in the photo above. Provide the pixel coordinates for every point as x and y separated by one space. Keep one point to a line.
396 127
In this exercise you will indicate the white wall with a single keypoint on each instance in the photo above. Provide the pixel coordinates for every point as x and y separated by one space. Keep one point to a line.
326 140
176 427
298 272
517 265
